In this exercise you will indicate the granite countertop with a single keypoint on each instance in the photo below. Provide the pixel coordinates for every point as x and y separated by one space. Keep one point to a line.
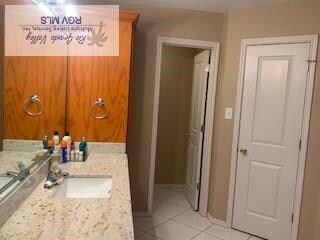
9 159
41 216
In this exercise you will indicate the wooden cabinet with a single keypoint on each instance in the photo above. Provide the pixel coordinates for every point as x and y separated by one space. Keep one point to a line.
68 87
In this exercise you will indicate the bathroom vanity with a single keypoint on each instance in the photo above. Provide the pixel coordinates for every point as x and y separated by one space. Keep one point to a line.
43 215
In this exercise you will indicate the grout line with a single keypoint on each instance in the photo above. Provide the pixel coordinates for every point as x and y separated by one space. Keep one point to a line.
134 227
135 237
166 199
189 226
167 219
171 219
204 231
187 209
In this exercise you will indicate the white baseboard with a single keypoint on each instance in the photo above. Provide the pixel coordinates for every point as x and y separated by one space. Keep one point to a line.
217 221
140 214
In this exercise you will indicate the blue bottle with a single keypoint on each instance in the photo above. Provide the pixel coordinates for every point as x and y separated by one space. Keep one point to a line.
64 152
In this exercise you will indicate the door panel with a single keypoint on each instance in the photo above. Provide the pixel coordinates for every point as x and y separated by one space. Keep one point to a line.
270 131
262 195
198 100
271 99
23 77
101 77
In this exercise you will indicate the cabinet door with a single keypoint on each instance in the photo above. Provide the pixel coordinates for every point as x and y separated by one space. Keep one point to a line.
26 76
90 78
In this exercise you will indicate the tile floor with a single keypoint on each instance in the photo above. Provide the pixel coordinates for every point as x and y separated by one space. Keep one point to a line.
173 219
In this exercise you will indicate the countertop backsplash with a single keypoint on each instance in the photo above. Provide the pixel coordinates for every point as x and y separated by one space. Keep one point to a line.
34 145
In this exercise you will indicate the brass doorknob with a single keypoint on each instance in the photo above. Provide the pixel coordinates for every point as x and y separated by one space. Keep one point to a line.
244 151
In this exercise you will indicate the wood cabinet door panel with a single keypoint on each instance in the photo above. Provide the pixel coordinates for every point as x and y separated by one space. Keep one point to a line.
25 76
91 78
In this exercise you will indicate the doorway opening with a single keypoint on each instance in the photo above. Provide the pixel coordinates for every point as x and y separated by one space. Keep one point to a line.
186 76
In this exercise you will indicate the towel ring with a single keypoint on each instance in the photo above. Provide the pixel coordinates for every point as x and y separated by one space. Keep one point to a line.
101 104
34 99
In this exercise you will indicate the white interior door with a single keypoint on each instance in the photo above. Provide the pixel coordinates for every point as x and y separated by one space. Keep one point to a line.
269 142
198 100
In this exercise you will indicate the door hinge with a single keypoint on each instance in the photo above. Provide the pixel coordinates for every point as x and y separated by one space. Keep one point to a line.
203 128
300 144
207 69
292 217
198 186
309 62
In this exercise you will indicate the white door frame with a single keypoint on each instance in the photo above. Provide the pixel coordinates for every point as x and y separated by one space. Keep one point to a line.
313 40
213 74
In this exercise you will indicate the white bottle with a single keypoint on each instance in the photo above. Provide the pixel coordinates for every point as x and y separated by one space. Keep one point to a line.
68 139
56 138
80 156
76 158
73 156
68 154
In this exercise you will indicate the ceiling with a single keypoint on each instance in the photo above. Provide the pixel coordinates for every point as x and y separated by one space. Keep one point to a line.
202 5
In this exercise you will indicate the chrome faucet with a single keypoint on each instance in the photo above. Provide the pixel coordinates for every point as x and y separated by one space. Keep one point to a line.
23 171
54 175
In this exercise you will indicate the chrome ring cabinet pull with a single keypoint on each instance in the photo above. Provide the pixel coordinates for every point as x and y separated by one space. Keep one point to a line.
34 99
101 104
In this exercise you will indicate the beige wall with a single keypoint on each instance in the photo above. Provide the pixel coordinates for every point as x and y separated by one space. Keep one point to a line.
156 22
276 20
174 114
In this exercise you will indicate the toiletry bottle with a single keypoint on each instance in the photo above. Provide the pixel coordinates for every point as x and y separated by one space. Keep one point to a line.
81 156
45 142
50 146
72 156
72 151
64 153
76 155
56 138
68 139
83 148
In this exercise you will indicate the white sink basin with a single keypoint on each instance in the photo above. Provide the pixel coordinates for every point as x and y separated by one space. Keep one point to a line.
85 187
